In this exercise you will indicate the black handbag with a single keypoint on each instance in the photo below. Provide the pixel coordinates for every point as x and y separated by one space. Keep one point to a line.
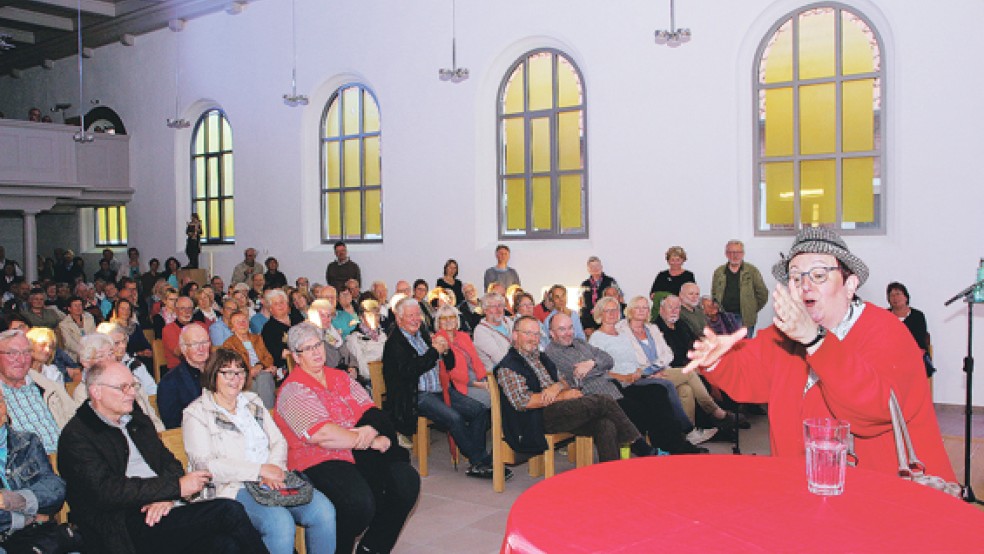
43 538
296 492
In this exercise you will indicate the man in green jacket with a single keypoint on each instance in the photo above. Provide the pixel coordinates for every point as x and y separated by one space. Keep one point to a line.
738 286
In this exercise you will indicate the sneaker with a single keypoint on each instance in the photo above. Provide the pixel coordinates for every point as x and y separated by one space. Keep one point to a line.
484 471
698 436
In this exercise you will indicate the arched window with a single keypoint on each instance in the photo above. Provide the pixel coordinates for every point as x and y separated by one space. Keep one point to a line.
351 186
212 177
542 154
110 226
819 156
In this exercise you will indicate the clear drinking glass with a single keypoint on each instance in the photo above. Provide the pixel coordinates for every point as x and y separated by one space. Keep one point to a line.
208 491
826 442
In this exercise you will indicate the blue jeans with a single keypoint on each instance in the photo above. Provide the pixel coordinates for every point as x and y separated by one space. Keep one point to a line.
467 420
276 524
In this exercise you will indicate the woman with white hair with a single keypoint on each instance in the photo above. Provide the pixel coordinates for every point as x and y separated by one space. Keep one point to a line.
321 314
366 342
100 347
274 331
468 376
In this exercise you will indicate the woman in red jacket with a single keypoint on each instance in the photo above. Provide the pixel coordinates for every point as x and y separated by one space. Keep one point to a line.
828 354
468 375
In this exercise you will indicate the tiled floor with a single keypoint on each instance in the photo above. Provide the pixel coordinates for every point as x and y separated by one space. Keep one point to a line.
461 515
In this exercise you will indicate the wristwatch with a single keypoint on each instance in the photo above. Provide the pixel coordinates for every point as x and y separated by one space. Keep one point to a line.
821 333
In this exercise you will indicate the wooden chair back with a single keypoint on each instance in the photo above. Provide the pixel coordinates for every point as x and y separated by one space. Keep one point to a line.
62 515
421 439
174 441
153 404
70 387
159 360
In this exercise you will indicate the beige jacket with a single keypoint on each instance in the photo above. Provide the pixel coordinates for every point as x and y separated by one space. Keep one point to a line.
71 335
208 433
59 402
81 394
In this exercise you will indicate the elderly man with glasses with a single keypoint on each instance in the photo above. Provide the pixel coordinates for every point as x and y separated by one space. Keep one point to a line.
35 403
184 309
181 385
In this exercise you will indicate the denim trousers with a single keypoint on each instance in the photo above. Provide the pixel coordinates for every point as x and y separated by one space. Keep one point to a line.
466 418
276 523
375 498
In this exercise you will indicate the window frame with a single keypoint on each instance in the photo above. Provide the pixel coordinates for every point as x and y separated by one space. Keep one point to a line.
554 173
879 153
222 196
323 191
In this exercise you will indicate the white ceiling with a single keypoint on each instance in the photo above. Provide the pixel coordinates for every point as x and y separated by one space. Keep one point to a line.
42 30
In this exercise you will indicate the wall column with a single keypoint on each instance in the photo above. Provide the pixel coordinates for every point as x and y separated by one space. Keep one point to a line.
30 246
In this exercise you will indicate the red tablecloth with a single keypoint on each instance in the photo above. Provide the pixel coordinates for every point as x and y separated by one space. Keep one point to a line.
734 504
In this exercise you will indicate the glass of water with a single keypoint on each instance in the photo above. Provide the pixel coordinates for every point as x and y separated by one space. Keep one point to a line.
826 441
208 491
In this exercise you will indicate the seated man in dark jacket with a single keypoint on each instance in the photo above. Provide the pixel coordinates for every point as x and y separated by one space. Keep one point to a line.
123 483
31 490
183 384
535 401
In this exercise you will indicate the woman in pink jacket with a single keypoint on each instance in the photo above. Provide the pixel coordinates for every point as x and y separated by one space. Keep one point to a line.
468 374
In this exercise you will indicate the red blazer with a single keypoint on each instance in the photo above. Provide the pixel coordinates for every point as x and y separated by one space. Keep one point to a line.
856 375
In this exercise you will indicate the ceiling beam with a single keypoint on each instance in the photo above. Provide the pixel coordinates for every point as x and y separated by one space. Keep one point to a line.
18 35
95 7
37 18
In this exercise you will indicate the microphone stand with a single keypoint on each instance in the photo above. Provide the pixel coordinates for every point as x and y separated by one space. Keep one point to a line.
968 367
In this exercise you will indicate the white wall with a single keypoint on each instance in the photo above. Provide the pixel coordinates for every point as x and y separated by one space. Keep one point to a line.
669 137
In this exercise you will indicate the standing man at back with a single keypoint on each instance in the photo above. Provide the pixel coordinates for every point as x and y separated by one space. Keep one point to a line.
244 270
501 272
738 286
342 269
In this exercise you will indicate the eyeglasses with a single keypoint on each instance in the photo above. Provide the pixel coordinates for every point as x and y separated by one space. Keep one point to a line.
16 353
733 252
818 275
528 333
198 344
309 348
125 388
232 374
449 318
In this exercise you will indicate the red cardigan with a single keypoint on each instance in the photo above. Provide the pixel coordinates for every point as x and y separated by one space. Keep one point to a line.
464 355
856 374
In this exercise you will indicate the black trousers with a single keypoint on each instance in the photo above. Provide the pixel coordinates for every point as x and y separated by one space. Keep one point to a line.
593 415
376 496
649 409
216 526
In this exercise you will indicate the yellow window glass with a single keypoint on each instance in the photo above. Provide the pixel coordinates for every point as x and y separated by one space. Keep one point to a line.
515 87
818 121
515 204
817 54
569 140
858 116
374 209
350 103
859 47
568 85
333 214
370 170
228 222
353 214
350 169
779 123
123 226
370 115
570 202
332 165
541 81
540 138
859 196
227 175
515 151
818 192
330 127
779 193
542 204
777 60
